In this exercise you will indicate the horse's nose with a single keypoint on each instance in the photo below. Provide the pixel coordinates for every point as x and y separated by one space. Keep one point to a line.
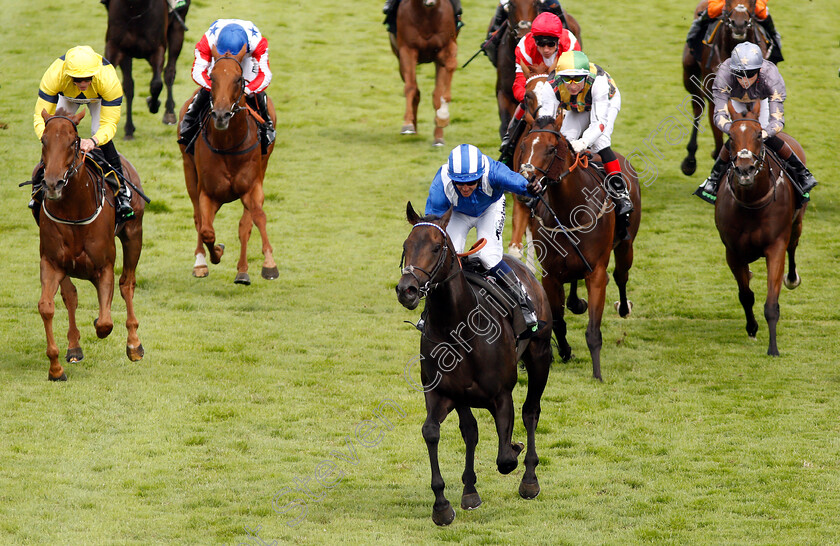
527 170
407 292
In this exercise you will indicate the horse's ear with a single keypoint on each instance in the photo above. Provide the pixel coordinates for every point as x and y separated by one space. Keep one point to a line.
444 220
532 104
732 113
242 52
410 215
558 120
78 117
45 114
755 110
214 53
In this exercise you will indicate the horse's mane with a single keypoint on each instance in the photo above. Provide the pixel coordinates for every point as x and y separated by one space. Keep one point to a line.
543 121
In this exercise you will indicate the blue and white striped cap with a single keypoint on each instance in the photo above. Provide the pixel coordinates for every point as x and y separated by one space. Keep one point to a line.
466 164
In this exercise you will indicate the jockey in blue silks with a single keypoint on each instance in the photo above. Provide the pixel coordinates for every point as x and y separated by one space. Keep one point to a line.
474 185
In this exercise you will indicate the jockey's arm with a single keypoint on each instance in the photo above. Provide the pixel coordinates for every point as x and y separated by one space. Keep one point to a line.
600 106
48 91
259 54
109 88
774 87
721 89
201 63
437 203
502 178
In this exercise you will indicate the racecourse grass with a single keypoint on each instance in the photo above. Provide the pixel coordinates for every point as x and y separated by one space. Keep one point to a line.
695 435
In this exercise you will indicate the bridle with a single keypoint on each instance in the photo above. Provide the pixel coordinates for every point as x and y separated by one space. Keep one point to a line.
73 169
740 8
553 173
758 160
234 109
428 286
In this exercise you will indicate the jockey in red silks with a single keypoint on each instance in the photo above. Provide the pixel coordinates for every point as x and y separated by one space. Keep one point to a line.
230 36
540 47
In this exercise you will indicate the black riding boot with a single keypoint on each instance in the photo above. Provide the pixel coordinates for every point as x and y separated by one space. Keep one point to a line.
508 281
514 131
192 119
37 191
617 188
267 132
390 11
122 192
456 7
804 178
775 55
695 35
491 47
707 191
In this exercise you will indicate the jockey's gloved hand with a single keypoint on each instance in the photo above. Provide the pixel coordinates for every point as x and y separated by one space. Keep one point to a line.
764 135
578 145
535 188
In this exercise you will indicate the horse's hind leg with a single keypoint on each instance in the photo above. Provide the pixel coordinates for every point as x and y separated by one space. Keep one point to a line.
502 411
554 291
444 69
792 279
574 303
437 409
71 302
254 201
469 432
128 93
408 72
741 271
691 75
245 223
596 286
132 243
46 307
537 363
623 262
207 211
775 271
156 85
175 38
105 294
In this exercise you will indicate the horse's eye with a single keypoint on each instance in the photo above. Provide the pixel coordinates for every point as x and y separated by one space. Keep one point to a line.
437 248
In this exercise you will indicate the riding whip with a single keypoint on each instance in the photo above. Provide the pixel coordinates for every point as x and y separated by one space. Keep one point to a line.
486 43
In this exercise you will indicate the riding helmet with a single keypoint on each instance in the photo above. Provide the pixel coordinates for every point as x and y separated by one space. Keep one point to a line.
746 56
82 62
572 63
231 39
547 24
466 164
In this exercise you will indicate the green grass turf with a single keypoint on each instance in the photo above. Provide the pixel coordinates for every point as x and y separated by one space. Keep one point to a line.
695 436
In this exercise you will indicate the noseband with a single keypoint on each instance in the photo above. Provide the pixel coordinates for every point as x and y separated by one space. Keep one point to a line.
428 286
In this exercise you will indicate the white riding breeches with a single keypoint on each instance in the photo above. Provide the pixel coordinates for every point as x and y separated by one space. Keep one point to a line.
71 106
763 114
488 226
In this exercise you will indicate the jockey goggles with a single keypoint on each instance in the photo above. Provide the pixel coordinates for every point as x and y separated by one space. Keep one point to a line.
545 41
467 182
575 78
746 73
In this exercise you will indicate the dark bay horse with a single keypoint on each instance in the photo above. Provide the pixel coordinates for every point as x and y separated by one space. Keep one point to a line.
469 358
756 217
736 25
77 240
426 33
228 165
144 29
521 14
574 239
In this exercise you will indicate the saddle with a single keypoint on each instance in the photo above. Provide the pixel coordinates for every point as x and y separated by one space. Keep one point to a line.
486 288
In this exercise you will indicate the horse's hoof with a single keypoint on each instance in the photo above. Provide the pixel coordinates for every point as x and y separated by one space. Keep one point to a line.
169 118
689 166
128 137
201 271
242 278
438 143
617 306
408 130
134 353
790 285
566 355
154 105
529 491
444 516
62 377
578 307
270 273
104 332
74 355
772 352
470 501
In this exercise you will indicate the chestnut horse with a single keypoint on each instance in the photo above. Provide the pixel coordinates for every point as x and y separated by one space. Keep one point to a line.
736 25
476 372
77 239
228 165
756 216
143 29
574 226
521 13
426 33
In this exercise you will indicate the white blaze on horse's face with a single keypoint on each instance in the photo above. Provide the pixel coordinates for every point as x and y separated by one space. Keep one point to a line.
745 165
430 3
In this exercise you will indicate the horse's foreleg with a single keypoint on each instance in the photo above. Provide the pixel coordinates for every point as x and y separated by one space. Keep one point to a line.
775 271
537 363
156 85
104 283
623 262
254 201
408 72
207 211
128 94
469 432
556 298
50 279
502 411
574 303
444 69
521 216
741 271
132 243
71 302
436 411
596 286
